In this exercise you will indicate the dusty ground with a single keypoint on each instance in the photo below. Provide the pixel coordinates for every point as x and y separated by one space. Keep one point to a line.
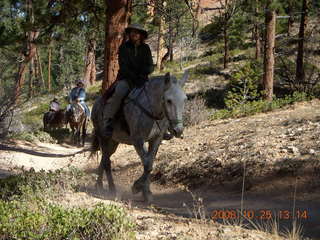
278 151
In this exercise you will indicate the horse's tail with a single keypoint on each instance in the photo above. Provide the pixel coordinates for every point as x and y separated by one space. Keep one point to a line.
95 146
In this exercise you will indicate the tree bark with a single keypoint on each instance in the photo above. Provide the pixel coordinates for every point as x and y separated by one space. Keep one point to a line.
300 74
28 53
196 20
270 22
117 15
160 48
39 67
49 68
170 41
290 19
257 33
90 62
31 78
226 37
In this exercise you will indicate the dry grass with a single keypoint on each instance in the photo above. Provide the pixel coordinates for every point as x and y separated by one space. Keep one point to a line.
195 111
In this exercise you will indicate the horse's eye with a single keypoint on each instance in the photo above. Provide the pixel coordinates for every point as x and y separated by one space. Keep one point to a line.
169 101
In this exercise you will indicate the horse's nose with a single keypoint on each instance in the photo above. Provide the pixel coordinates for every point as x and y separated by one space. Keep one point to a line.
178 131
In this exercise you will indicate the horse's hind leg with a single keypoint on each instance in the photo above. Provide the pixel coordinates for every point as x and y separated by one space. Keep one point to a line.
108 149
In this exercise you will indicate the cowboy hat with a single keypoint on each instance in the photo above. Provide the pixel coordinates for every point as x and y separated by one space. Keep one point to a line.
80 82
138 27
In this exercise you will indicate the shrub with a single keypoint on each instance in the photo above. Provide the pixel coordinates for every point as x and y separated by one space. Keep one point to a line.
25 212
250 108
195 111
243 86
286 74
36 184
18 220
33 136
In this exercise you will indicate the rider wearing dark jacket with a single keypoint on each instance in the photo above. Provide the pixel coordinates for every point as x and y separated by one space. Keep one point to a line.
135 62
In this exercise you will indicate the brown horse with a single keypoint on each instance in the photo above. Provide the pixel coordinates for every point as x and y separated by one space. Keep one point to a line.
54 120
77 119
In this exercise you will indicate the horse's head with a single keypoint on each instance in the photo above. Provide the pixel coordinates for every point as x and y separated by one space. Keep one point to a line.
174 101
76 112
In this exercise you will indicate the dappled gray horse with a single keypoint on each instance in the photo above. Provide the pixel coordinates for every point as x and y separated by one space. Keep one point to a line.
149 112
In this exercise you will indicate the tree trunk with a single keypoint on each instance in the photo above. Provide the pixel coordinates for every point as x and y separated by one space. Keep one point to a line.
28 53
257 33
117 15
290 19
196 20
49 68
39 68
270 22
300 74
90 63
226 38
31 78
258 42
160 48
164 59
151 10
170 41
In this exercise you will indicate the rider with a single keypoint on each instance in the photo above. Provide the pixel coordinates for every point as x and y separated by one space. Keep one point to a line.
54 105
135 62
78 94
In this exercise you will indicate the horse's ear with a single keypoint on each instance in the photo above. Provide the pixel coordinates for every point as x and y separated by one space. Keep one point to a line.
184 78
167 80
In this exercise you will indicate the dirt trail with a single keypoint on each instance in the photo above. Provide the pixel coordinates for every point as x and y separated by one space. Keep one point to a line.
273 194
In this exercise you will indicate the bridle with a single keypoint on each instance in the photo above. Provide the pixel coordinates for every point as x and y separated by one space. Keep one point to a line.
150 114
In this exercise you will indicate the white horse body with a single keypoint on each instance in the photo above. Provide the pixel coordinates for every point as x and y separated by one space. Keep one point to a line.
149 112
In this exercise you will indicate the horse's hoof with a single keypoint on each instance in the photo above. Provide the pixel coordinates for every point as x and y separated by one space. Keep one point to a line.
99 186
136 188
112 193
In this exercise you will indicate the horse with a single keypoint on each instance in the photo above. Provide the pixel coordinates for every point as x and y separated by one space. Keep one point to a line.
149 112
77 119
54 119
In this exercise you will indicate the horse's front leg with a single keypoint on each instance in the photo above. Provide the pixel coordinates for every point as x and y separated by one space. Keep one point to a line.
147 157
78 135
84 131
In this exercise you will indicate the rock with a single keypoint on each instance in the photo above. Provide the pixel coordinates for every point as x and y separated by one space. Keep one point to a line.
312 151
12 124
294 150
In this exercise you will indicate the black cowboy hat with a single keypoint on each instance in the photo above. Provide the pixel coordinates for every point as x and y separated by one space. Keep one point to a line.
80 81
137 27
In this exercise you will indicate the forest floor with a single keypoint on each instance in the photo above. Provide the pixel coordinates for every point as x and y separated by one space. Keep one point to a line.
195 177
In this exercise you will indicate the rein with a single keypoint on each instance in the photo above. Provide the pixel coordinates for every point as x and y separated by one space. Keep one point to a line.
145 111
150 114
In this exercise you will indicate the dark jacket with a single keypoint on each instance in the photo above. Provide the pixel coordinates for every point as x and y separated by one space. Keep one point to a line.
135 63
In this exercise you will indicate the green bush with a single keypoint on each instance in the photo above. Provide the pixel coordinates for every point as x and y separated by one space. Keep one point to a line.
243 86
253 107
20 220
25 212
33 136
30 184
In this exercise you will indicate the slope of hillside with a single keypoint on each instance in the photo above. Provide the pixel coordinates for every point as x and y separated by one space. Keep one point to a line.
280 149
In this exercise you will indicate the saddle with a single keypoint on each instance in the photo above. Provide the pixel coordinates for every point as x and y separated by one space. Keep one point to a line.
119 116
